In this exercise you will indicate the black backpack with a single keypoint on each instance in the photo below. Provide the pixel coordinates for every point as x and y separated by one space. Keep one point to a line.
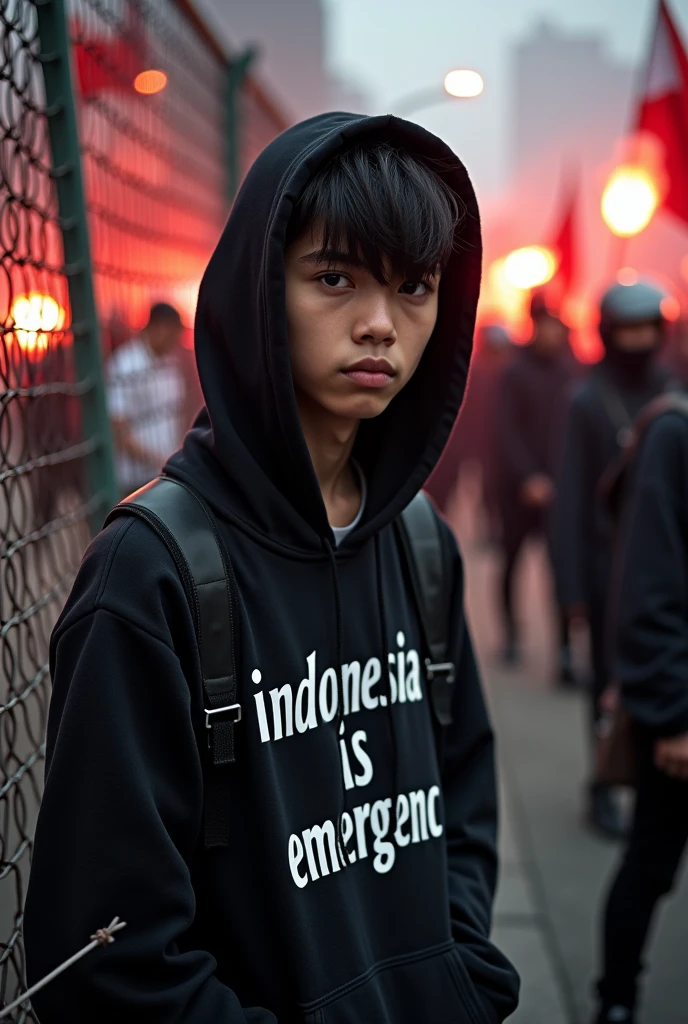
185 523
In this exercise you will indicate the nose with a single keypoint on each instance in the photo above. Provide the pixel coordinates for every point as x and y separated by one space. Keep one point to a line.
375 323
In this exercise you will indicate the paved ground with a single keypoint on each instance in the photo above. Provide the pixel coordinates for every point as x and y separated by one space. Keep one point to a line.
553 870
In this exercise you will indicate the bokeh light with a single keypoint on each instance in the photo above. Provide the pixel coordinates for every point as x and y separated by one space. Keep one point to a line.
150 82
464 84
34 317
671 308
530 267
629 201
628 276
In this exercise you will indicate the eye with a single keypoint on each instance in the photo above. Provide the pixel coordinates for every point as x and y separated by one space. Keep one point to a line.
416 289
334 280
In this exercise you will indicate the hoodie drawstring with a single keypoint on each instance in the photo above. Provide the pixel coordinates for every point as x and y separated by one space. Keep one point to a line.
342 851
388 680
339 719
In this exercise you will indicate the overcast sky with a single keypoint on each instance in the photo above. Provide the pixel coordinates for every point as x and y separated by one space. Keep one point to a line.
393 47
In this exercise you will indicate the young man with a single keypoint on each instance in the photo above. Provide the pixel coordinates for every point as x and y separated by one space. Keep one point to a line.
600 421
650 649
146 398
333 336
529 435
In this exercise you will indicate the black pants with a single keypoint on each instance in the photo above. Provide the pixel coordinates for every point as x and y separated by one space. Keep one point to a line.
518 526
658 839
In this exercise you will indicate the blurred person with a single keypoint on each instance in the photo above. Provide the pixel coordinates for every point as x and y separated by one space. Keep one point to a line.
649 652
146 397
600 421
115 331
529 431
677 352
472 441
357 867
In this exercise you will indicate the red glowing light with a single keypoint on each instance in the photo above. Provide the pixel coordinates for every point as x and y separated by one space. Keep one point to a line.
630 200
671 308
628 276
35 317
150 82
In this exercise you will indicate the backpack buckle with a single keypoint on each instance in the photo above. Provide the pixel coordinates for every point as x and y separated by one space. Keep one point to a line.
440 668
232 710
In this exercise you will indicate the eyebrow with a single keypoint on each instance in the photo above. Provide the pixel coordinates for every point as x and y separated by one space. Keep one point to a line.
329 256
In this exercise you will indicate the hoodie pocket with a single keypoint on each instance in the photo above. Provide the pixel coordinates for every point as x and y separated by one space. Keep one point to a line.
432 985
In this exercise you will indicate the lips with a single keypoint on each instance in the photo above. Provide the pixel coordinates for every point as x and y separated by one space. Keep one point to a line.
371 373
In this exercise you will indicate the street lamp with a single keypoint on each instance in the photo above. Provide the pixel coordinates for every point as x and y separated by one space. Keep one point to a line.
461 83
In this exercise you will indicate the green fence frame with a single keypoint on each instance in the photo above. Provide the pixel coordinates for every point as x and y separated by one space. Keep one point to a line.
66 162
236 75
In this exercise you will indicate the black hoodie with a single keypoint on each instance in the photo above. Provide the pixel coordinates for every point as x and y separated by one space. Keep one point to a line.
273 928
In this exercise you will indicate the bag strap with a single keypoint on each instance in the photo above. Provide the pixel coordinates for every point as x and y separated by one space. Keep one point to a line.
431 577
184 522
613 483
618 415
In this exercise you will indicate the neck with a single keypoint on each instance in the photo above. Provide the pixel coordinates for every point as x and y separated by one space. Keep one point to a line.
330 440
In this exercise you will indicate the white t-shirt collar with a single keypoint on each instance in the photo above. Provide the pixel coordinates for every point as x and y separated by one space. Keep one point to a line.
340 532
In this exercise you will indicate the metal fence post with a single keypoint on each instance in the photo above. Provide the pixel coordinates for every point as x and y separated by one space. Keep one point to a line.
67 173
236 74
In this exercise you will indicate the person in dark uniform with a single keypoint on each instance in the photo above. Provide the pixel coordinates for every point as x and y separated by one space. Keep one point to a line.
529 427
473 438
600 421
676 356
649 647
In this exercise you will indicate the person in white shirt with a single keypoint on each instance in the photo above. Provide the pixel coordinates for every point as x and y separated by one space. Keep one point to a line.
146 398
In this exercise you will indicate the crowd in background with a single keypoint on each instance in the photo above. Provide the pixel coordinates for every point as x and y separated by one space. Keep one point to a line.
594 461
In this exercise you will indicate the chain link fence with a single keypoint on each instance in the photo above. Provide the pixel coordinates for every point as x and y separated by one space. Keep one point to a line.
150 97
44 500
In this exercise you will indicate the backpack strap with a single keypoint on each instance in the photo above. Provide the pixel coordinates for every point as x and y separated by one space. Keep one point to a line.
186 525
431 577
613 483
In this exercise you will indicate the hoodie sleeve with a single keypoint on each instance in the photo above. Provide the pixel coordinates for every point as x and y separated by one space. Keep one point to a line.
470 796
573 509
651 656
120 821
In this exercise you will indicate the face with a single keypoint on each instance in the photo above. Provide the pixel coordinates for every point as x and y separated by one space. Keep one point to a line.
637 337
164 337
354 343
550 334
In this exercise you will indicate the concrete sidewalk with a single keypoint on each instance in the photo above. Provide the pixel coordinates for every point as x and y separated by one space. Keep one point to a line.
554 871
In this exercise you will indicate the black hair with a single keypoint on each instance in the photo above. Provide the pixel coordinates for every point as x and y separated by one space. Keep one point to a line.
164 313
383 207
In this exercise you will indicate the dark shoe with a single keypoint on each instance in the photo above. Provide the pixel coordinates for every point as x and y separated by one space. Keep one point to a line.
567 676
605 814
615 1015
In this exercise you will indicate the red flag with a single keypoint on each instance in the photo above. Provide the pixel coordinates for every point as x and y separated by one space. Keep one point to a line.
564 242
111 64
664 109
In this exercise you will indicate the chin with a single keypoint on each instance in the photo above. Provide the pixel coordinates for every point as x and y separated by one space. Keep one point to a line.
364 407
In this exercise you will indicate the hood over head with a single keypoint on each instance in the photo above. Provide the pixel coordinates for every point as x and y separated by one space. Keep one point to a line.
246 453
